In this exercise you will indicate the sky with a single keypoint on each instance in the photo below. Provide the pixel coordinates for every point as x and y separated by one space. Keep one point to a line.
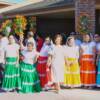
14 1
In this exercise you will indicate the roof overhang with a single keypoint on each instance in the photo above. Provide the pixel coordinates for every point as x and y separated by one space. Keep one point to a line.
18 6
39 7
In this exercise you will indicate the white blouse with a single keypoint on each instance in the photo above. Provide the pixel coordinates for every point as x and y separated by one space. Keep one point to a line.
45 50
88 47
12 50
72 52
29 56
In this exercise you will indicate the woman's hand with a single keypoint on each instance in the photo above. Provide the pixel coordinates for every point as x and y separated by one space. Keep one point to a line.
67 63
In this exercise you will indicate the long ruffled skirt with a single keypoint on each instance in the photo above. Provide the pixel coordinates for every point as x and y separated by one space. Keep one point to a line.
88 70
29 79
11 79
44 72
72 74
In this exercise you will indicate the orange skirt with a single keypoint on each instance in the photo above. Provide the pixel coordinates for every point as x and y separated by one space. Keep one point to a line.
44 72
88 70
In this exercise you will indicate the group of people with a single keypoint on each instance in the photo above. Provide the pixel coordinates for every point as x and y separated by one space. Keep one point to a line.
26 69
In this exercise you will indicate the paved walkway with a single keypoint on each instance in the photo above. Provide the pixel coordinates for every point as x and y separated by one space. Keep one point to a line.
73 94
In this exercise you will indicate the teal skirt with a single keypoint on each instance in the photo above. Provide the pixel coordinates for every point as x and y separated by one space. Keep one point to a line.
11 79
98 75
29 79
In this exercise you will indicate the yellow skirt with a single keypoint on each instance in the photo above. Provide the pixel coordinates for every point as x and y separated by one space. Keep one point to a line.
72 74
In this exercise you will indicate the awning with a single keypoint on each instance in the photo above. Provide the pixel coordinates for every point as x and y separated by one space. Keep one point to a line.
41 4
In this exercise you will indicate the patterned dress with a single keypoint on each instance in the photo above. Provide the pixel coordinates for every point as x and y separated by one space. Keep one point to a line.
11 79
72 72
43 70
29 77
88 67
98 67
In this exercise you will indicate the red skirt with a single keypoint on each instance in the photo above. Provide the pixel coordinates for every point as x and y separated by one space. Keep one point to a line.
88 70
44 72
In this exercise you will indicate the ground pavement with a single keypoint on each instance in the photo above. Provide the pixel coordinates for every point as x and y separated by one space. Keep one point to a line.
68 94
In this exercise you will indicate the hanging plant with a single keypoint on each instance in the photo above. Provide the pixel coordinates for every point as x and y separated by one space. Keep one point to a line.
6 27
84 24
19 25
32 23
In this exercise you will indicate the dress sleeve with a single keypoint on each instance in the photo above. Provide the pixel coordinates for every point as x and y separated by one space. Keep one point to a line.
51 51
65 51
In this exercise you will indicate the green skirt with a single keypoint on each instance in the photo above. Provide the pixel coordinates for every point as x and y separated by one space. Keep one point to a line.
29 78
11 79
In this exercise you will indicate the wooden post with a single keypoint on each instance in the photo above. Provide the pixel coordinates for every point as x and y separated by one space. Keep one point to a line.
85 16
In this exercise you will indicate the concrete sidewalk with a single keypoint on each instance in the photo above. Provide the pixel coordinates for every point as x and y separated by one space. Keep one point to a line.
73 94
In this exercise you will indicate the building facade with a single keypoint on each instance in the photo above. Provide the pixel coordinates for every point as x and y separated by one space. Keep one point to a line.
62 15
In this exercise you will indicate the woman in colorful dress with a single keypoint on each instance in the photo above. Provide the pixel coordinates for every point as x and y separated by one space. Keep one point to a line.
98 64
57 61
29 77
11 79
72 69
88 67
42 68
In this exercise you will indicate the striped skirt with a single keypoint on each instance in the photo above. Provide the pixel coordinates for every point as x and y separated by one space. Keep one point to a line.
88 70
11 79
29 79
44 72
72 74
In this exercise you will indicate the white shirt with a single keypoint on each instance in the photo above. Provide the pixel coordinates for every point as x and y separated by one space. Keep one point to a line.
72 52
88 47
29 56
12 50
45 49
1 55
4 42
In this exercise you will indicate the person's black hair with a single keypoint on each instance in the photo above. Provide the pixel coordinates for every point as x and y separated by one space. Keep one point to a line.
2 34
88 35
47 36
11 35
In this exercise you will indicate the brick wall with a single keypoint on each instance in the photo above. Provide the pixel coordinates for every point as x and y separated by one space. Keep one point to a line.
85 16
